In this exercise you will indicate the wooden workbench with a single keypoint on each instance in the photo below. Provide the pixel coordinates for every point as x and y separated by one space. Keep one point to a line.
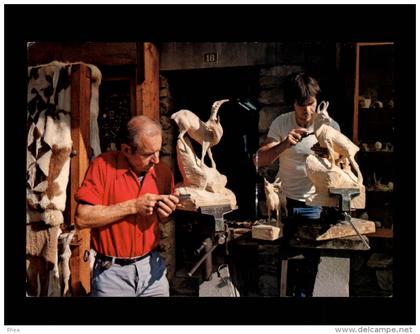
292 249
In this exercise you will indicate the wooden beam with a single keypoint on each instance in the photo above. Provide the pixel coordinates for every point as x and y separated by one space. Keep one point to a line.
283 277
80 112
108 54
374 43
140 63
150 85
356 97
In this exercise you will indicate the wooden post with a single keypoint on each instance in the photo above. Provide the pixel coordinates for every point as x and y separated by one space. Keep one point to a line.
80 113
283 277
356 98
147 94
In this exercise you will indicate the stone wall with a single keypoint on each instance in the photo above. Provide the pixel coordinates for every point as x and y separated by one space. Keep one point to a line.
168 126
271 96
315 58
272 104
168 240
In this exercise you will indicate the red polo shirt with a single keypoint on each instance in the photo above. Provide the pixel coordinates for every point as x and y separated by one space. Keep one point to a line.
109 181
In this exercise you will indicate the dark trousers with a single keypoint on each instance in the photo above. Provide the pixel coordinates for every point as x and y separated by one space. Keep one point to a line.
302 273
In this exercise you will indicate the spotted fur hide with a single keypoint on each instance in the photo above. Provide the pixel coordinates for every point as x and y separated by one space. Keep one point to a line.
49 138
49 146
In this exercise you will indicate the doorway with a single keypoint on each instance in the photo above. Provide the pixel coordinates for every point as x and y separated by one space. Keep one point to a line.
196 90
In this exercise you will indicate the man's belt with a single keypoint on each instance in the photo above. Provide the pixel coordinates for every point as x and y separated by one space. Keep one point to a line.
123 261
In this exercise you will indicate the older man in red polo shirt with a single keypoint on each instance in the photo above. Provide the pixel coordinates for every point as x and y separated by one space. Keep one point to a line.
124 197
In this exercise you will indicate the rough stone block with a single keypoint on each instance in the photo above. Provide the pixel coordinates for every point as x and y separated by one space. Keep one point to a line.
332 279
271 96
269 81
267 114
219 286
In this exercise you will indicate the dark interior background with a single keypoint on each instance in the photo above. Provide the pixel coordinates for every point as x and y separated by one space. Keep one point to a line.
196 90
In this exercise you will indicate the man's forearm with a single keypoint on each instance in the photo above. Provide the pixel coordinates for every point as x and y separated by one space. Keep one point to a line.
91 216
265 156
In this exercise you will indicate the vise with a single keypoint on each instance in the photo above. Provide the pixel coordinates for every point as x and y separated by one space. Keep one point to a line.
346 194
209 244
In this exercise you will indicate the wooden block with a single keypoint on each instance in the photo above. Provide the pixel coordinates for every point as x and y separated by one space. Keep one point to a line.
266 232
199 198
345 229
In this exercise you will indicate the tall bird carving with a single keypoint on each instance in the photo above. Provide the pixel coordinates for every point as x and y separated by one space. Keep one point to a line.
335 141
207 133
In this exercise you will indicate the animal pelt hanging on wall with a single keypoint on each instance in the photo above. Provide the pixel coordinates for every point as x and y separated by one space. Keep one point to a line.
49 141
49 146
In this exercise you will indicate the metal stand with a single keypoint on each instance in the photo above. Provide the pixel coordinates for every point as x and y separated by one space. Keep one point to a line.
346 195
209 245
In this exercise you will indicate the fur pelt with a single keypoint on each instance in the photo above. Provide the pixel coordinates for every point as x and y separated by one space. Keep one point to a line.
49 146
49 138
42 259
64 261
41 240
49 132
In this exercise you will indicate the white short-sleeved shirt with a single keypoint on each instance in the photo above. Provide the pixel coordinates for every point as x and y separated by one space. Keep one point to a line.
292 172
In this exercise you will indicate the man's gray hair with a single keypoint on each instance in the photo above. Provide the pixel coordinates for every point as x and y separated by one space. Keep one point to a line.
141 126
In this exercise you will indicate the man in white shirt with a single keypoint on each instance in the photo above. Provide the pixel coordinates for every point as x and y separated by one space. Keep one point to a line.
290 139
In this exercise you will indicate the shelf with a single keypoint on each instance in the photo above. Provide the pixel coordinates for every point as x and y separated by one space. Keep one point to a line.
375 154
374 80
380 163
375 112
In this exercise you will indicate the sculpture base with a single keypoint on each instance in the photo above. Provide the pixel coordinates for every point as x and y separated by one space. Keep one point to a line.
202 198
266 232
345 229
324 176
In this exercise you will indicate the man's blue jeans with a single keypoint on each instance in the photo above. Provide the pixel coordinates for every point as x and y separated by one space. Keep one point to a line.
303 212
303 272
144 278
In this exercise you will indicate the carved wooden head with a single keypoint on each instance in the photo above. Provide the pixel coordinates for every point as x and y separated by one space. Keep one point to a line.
269 187
322 116
277 184
215 108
